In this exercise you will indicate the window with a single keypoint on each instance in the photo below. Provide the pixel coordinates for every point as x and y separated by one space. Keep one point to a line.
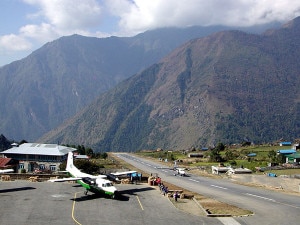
42 166
21 166
53 167
107 184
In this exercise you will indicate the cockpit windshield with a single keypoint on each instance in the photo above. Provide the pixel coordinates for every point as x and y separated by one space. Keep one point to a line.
107 185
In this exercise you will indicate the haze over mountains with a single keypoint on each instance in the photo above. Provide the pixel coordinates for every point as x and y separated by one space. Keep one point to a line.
55 82
230 86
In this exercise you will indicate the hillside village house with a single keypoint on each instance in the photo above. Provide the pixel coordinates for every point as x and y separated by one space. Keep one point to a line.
285 143
35 157
293 158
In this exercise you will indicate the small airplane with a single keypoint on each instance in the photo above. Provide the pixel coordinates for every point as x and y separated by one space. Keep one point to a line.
96 184
180 171
6 171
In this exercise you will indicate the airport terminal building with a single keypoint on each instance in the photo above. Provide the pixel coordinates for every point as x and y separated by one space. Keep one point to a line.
35 157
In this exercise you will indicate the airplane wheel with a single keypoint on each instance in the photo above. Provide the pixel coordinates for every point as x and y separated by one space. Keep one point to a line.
85 192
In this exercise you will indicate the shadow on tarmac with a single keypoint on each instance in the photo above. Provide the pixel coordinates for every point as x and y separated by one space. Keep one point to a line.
133 191
16 189
121 196
93 196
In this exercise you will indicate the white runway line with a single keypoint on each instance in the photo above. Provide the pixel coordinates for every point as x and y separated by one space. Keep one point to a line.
257 196
218 187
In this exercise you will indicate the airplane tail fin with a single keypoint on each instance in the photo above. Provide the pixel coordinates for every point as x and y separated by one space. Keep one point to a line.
70 164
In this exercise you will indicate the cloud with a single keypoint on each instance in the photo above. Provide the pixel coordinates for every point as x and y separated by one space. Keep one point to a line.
68 15
51 19
140 15
56 18
43 32
13 42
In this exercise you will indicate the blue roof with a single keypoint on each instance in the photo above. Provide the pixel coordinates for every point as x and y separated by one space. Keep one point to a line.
286 143
286 151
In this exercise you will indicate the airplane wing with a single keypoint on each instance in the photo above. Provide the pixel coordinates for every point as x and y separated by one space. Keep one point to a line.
98 176
6 171
78 178
66 179
123 173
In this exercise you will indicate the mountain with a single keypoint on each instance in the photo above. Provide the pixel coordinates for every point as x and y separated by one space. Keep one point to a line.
56 81
4 143
228 87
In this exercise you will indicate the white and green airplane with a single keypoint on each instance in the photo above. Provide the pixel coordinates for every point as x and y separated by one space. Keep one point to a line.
96 184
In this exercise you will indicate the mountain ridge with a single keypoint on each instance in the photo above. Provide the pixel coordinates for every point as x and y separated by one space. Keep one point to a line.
229 87
56 81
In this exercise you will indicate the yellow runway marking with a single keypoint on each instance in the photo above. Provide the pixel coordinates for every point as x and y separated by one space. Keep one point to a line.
74 201
140 202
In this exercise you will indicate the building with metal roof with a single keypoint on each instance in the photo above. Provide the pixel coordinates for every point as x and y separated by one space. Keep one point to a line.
286 151
293 158
285 143
38 157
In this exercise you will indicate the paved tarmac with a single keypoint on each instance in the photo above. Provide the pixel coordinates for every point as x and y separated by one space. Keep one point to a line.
269 207
24 202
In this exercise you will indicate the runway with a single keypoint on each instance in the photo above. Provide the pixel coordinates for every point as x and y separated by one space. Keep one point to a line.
269 207
36 203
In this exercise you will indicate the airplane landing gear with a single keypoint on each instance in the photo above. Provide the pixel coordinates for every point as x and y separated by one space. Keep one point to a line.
85 192
115 195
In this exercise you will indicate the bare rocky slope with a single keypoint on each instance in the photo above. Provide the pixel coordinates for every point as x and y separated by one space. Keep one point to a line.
56 81
228 87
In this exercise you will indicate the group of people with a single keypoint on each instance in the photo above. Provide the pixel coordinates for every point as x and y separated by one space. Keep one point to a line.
164 190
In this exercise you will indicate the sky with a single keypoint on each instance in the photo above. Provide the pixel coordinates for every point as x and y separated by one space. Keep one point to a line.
26 25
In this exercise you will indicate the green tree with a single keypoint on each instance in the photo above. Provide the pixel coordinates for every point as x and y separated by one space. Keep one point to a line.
62 166
87 166
220 147
104 155
81 150
272 156
89 152
229 155
280 158
215 155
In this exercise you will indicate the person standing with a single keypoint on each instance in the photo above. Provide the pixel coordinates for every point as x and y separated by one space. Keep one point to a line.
175 195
